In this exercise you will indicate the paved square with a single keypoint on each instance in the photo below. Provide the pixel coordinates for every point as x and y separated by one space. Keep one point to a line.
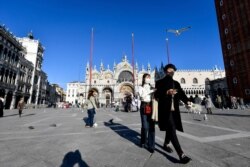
57 137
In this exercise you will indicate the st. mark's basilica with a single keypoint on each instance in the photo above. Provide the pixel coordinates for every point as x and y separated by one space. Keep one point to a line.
112 84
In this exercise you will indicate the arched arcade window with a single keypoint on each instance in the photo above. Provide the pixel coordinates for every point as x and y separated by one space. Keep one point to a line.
195 80
183 81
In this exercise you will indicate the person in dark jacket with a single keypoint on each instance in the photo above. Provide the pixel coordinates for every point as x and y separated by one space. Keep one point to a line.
1 106
169 93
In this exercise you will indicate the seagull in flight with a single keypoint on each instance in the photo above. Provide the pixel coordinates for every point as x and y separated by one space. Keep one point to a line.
179 31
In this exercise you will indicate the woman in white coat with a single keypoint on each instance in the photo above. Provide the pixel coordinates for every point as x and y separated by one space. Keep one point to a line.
148 125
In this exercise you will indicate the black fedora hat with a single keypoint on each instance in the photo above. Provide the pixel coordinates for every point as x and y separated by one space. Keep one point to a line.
170 66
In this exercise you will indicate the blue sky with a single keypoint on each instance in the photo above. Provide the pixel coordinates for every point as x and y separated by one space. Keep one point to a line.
64 29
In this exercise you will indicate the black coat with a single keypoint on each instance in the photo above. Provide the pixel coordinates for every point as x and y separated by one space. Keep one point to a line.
165 101
1 108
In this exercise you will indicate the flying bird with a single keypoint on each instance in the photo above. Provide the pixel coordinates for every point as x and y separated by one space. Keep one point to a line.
179 31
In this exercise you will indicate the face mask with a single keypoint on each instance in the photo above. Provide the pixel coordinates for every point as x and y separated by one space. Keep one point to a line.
171 74
147 80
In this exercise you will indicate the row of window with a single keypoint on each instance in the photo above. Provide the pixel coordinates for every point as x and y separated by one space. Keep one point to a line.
195 80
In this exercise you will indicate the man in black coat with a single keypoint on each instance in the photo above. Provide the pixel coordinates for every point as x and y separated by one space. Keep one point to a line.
169 93
1 106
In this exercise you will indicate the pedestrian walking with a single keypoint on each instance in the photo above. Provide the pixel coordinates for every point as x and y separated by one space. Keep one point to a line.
91 108
197 99
20 106
147 123
169 93
208 104
219 102
1 106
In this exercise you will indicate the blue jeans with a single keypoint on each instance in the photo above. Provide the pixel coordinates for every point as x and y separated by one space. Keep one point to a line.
147 128
90 120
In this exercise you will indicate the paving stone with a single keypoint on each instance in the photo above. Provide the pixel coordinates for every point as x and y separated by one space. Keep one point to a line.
69 142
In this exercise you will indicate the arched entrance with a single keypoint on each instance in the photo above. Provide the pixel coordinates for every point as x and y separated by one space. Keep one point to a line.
126 89
8 100
108 95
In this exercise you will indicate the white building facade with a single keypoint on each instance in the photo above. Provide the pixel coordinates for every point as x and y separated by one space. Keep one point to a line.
113 84
34 53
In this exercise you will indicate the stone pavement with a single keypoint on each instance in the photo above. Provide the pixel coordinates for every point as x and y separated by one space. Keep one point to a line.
57 137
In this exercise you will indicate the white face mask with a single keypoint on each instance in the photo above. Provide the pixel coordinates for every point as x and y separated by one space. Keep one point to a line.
147 80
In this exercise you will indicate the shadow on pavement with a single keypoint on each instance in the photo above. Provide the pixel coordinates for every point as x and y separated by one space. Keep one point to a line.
18 114
232 115
28 115
10 115
170 158
73 158
125 132
134 137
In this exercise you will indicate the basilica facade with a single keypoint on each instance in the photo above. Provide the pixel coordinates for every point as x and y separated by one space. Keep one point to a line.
113 84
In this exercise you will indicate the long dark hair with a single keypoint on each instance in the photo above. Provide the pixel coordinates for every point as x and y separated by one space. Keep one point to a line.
91 92
144 77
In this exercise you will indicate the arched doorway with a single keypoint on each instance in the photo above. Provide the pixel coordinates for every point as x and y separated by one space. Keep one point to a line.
126 89
8 100
108 95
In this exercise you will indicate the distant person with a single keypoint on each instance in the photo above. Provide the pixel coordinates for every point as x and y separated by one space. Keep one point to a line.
208 104
197 99
1 106
91 108
219 102
128 103
147 124
191 99
20 106
169 93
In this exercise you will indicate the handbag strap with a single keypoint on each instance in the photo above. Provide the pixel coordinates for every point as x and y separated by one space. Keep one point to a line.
91 103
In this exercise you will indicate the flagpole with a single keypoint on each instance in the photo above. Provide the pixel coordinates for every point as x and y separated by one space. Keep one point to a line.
91 55
168 56
133 59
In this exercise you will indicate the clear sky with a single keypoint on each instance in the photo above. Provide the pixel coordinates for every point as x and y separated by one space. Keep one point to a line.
64 29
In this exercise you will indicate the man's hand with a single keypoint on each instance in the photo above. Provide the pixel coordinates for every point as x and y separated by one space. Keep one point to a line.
171 92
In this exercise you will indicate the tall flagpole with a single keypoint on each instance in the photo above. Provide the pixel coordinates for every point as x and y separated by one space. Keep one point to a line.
91 55
167 51
133 60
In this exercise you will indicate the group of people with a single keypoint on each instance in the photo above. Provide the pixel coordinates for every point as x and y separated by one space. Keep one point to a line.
20 106
168 94
229 102
206 101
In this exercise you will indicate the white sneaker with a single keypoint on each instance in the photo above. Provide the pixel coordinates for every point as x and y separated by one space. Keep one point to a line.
95 125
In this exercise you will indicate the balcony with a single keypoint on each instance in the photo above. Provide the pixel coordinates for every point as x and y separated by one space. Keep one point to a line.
7 86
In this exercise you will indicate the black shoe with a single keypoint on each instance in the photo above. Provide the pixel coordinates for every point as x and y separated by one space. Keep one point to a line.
184 159
167 148
151 150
